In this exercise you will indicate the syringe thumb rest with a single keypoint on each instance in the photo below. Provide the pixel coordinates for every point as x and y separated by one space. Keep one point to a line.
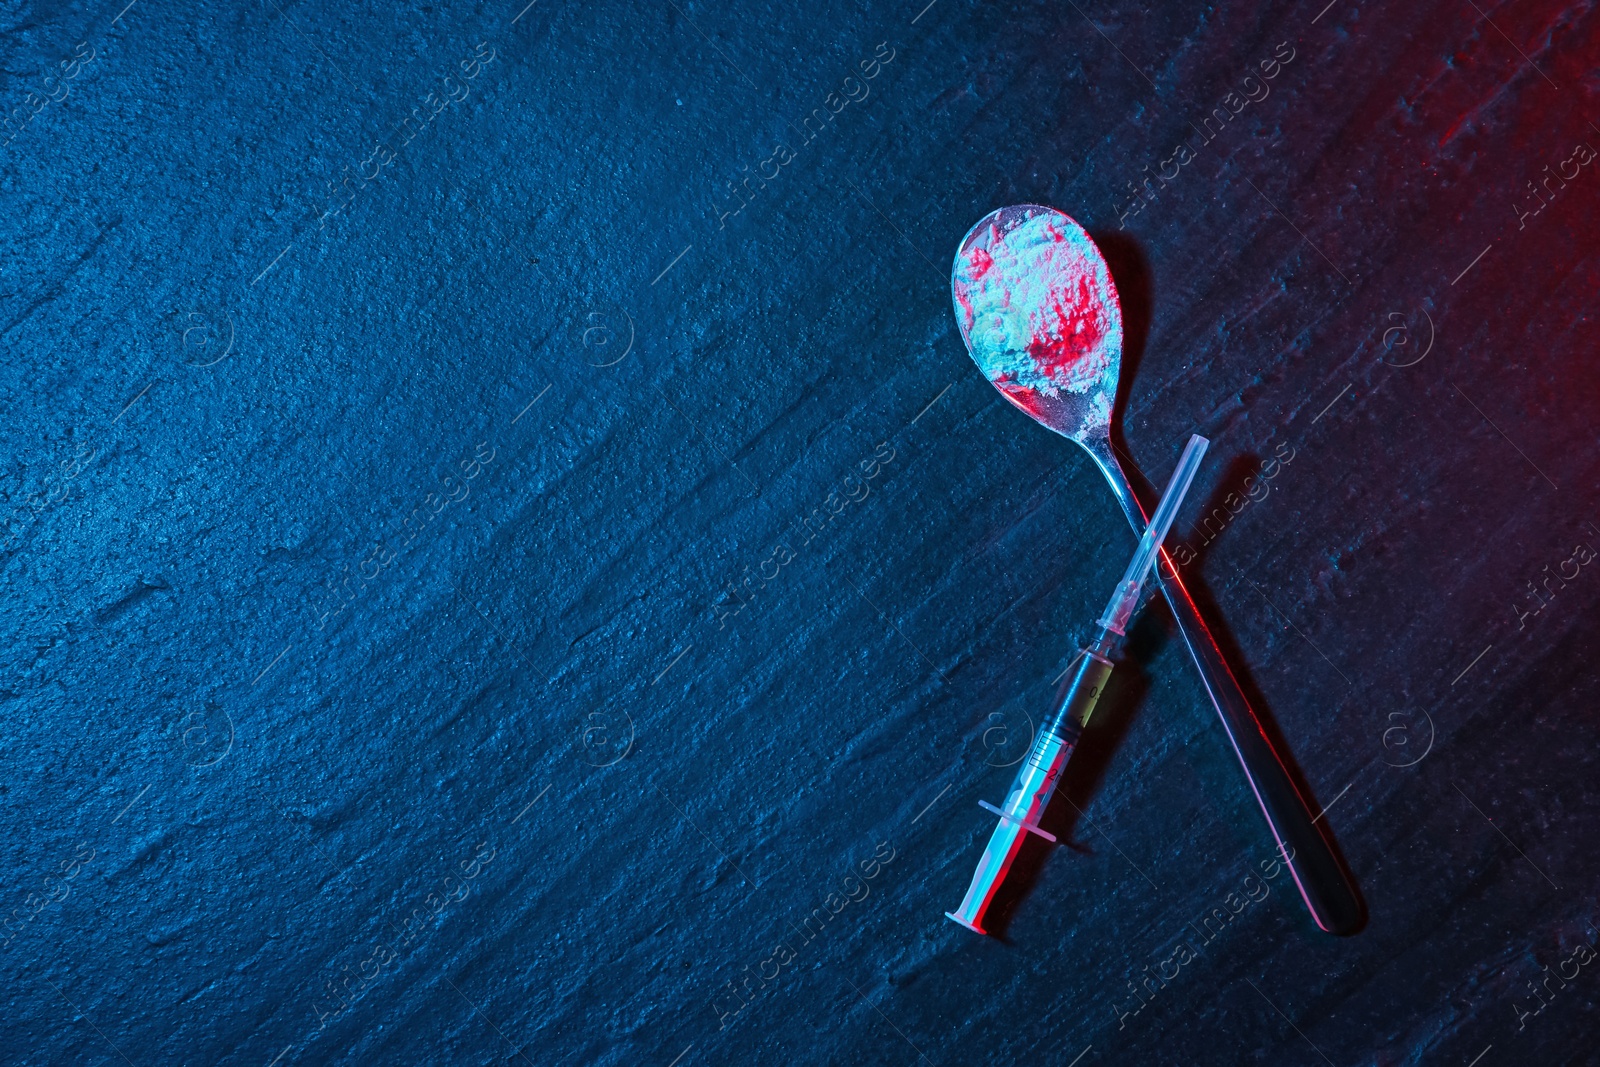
1033 787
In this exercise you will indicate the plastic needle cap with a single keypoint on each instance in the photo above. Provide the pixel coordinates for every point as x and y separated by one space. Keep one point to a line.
1120 608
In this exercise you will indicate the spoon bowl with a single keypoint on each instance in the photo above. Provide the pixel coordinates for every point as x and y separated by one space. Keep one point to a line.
1038 310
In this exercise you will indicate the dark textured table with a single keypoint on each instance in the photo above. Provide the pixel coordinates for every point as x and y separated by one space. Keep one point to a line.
507 558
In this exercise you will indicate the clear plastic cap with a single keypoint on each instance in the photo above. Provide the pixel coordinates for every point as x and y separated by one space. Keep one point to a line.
1126 598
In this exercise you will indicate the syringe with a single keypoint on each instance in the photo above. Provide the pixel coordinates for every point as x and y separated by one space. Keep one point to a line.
1040 773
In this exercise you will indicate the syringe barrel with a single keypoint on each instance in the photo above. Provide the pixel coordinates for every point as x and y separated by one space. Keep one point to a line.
1033 786
1039 774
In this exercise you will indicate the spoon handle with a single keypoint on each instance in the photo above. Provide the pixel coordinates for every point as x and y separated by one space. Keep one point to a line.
1317 872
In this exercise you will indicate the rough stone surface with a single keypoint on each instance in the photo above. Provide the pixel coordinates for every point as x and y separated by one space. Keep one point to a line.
415 650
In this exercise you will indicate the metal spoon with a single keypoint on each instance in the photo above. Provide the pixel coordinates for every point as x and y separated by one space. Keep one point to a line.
1055 351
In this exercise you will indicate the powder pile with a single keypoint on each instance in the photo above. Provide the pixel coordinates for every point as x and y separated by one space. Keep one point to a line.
1040 312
